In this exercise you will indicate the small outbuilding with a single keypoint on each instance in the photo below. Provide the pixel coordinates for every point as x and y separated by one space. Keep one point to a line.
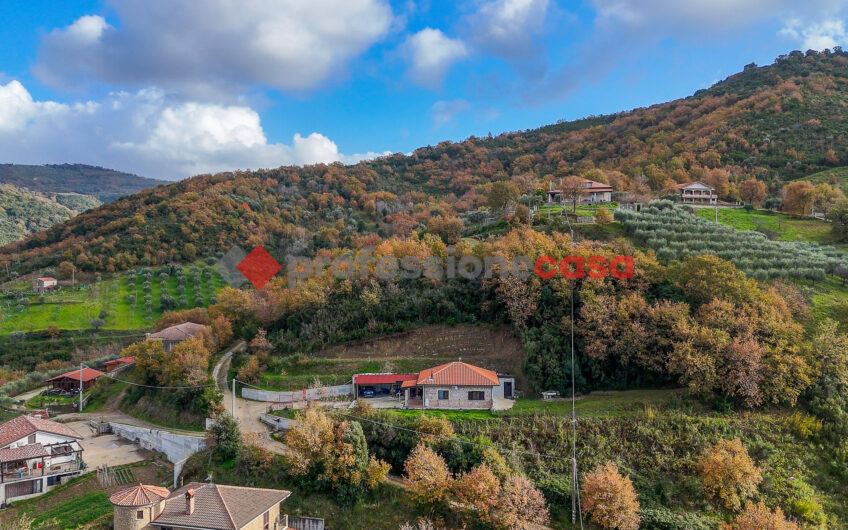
70 381
42 285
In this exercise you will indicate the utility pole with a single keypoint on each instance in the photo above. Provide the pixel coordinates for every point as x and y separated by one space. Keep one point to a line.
80 388
233 406
574 483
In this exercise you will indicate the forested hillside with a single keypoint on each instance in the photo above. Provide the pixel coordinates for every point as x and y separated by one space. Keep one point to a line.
23 212
773 123
105 184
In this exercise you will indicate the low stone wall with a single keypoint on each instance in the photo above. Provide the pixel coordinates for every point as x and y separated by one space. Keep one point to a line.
176 447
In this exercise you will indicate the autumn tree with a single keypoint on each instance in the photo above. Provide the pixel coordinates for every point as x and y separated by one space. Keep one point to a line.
728 473
753 191
478 491
334 453
65 270
501 195
759 517
798 197
573 189
427 475
521 505
603 216
610 499
449 228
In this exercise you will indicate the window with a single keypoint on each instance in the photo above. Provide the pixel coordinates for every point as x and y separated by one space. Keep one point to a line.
476 395
266 519
31 439
139 514
444 394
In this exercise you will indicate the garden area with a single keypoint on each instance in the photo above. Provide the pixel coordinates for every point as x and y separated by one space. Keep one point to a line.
778 225
126 301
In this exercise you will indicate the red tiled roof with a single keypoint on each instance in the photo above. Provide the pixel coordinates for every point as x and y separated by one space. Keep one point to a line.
140 495
88 374
382 379
218 507
22 426
121 360
23 452
411 383
47 279
458 373
597 186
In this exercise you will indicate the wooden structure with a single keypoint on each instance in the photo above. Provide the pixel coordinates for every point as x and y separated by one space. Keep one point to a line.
70 381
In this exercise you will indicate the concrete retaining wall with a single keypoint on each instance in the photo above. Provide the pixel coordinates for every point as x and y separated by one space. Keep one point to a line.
176 447
308 394
277 423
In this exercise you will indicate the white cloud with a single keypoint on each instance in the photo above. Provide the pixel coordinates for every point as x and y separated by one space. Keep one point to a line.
443 112
431 54
506 28
148 133
816 36
675 17
214 46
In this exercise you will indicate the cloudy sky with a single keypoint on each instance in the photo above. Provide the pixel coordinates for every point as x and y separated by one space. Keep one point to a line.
171 88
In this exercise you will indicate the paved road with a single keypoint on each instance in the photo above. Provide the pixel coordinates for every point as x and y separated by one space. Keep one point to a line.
246 411
120 417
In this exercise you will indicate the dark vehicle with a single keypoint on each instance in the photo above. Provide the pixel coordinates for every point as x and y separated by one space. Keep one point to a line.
368 392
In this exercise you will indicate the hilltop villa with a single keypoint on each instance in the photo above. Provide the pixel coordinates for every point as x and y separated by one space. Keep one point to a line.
696 192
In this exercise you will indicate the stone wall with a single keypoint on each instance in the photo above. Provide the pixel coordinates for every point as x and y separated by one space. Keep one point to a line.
458 397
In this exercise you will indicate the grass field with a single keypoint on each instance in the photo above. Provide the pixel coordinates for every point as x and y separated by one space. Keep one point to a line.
77 307
785 227
600 404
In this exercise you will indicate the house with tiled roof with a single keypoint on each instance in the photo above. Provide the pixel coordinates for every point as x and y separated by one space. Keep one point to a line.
454 385
695 192
173 335
44 284
205 506
35 455
70 381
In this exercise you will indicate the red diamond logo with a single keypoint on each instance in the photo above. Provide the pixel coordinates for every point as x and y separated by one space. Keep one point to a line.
258 267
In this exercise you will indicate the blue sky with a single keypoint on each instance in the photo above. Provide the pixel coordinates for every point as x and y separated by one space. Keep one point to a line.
170 88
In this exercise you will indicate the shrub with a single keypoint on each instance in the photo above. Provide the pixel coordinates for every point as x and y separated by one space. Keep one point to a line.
610 499
759 517
428 476
728 473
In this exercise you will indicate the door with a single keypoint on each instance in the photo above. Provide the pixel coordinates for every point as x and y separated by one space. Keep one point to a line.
507 389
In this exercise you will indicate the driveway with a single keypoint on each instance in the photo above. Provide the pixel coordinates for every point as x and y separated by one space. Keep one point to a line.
106 449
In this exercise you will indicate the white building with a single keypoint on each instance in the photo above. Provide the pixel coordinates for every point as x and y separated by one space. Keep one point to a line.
35 455
696 192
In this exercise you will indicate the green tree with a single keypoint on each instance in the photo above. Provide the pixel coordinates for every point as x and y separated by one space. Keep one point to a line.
501 196
227 436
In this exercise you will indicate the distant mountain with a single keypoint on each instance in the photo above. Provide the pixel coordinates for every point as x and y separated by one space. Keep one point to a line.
105 184
23 212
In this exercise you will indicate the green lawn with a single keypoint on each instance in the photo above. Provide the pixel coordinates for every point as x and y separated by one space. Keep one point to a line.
787 228
601 404
76 308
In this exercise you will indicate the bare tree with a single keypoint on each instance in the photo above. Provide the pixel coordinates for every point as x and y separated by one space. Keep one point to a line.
573 189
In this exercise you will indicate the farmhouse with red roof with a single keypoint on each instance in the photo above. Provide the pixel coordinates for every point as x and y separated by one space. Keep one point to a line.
454 385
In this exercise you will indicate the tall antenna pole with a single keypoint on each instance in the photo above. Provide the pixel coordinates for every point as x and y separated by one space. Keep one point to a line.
80 388
573 408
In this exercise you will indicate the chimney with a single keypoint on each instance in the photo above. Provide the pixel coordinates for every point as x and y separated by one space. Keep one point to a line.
189 496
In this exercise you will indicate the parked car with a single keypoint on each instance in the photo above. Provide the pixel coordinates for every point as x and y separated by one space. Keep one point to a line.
367 392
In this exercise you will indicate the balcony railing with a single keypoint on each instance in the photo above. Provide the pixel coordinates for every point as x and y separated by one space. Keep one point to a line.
10 475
